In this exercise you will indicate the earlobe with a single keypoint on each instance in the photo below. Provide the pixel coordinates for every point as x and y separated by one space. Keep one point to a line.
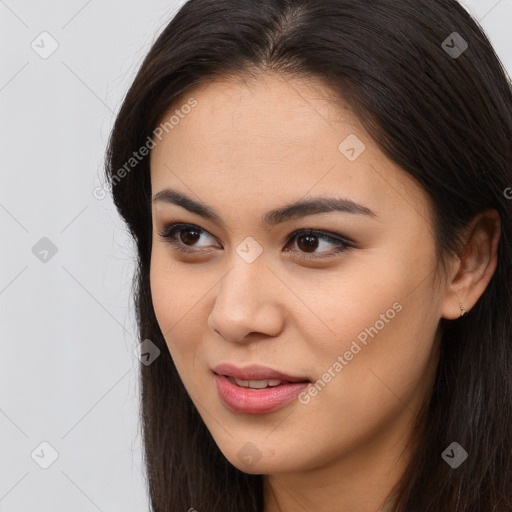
475 267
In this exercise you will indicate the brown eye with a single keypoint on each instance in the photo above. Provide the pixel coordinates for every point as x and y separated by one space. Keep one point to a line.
307 243
314 245
189 236
311 244
184 237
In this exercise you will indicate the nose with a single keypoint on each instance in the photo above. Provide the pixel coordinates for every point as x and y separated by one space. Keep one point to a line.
247 301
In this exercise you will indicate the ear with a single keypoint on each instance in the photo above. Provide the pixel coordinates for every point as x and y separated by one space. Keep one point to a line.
475 267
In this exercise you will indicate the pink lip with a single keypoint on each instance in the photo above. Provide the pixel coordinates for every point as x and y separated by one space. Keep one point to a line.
254 372
256 401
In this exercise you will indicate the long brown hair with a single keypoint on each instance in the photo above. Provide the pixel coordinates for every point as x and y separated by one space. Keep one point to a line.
426 83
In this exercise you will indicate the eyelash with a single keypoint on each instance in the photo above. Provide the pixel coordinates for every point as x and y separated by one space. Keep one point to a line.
170 231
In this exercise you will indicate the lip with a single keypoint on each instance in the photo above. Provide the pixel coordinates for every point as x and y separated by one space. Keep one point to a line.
256 401
254 372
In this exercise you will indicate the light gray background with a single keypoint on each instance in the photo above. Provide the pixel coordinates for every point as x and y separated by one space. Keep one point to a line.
68 373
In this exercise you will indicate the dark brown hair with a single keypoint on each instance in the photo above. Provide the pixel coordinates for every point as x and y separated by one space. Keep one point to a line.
446 119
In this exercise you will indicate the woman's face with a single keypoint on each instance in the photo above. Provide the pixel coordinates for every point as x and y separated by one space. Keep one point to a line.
351 307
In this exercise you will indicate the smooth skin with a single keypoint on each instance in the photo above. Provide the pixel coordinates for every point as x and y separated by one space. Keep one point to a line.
254 145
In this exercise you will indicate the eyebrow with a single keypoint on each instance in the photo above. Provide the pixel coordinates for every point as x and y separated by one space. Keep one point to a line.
273 217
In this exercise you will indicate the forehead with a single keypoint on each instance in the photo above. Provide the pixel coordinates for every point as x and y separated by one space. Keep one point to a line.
268 118
270 109
273 138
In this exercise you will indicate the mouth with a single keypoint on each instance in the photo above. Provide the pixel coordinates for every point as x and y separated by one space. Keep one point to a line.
256 374
259 384
256 389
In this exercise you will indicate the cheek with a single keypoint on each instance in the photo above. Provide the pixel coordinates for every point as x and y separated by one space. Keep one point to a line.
381 323
164 291
394 368
359 303
174 296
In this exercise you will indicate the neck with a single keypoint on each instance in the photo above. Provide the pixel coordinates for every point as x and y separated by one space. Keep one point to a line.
363 481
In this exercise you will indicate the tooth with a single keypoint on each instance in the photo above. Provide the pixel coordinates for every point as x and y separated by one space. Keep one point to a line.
258 384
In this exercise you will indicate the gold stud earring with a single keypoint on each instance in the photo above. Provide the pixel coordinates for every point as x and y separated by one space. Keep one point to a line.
462 310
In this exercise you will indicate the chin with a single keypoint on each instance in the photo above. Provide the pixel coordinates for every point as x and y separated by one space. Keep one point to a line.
269 460
262 467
